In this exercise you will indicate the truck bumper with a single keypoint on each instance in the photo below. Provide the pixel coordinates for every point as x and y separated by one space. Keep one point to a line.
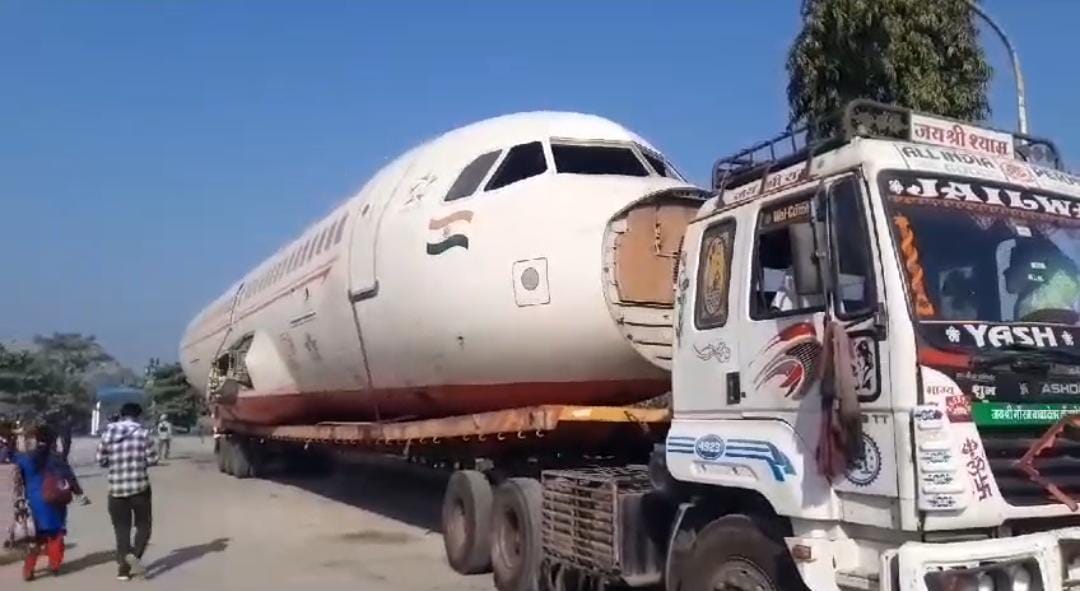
1055 553
1052 557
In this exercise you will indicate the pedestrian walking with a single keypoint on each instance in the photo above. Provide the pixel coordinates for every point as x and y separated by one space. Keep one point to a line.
127 450
49 486
66 427
164 435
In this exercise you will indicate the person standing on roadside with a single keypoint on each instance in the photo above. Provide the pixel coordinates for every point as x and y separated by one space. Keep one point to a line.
164 435
127 450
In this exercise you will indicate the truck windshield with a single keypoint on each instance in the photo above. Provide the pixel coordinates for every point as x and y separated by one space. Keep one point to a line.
984 251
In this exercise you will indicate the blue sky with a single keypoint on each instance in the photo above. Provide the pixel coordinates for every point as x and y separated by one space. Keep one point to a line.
152 151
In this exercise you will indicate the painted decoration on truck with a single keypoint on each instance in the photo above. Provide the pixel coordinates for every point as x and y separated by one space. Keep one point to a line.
977 468
713 448
977 196
714 275
793 358
866 469
864 365
944 132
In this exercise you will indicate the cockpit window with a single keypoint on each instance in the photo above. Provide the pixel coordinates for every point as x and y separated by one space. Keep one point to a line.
521 162
472 175
575 159
661 166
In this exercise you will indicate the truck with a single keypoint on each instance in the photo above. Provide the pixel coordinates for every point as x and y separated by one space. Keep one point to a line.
873 377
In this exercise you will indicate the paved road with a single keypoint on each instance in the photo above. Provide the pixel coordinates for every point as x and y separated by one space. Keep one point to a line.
364 528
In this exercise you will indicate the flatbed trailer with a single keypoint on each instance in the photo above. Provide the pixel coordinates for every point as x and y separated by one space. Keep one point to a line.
493 503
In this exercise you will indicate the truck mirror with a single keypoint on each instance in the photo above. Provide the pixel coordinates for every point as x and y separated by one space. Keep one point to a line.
804 259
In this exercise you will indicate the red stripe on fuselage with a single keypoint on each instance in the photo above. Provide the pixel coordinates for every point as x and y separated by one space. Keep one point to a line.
431 401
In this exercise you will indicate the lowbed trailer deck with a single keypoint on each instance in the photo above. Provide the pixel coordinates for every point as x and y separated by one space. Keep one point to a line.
585 427
493 503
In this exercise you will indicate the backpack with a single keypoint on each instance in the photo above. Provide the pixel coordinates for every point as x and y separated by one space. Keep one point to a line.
56 490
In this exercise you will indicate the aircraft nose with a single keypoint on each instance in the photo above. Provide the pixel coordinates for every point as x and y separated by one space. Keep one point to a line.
642 246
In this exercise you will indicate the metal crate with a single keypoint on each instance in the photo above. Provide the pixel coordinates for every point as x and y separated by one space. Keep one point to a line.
591 520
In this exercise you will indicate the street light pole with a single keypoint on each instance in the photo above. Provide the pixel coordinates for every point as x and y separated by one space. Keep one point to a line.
1021 103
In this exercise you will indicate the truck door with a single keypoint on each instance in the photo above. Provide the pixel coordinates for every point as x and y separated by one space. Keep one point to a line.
813 260
857 293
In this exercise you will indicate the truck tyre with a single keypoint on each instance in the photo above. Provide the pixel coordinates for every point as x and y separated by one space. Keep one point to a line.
466 522
516 544
733 553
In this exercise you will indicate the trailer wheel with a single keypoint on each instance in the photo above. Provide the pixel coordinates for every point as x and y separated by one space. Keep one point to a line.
733 553
241 462
219 452
516 546
466 522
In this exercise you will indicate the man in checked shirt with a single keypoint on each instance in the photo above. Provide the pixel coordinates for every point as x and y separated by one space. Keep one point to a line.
127 450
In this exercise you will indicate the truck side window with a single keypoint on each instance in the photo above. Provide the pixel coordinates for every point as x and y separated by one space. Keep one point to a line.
773 290
521 162
471 175
853 271
714 275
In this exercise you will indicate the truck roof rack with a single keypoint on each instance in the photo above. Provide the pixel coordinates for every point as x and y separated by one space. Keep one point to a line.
869 119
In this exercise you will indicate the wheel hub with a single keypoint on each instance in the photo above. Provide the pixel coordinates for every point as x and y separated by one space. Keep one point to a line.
741 575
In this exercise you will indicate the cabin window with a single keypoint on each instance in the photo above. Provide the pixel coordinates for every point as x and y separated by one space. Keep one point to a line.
575 159
773 292
714 275
522 161
322 241
340 229
852 266
471 176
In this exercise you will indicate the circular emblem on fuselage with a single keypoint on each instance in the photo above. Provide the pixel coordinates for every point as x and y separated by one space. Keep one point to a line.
866 469
530 278
709 447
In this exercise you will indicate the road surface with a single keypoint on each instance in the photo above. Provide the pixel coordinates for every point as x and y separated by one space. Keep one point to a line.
363 528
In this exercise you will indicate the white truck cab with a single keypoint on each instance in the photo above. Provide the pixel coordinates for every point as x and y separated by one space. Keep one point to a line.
938 265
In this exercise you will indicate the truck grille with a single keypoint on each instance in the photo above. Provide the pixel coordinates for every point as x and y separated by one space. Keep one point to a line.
1059 464
584 513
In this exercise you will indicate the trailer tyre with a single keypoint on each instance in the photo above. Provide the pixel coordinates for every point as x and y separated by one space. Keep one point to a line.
466 522
516 549
733 553
241 463
219 451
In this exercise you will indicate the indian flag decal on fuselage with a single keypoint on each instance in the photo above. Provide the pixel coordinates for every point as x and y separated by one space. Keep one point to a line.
448 232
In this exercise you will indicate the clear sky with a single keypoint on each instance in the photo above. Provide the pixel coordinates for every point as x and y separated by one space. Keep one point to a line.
152 151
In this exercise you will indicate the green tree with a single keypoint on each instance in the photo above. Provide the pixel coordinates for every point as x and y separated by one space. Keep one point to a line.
54 377
171 394
922 54
30 386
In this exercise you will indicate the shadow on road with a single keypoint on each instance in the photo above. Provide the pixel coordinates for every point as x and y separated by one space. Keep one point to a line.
182 556
89 561
402 493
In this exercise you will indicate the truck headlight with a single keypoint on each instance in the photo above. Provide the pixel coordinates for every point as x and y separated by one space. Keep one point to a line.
1021 578
1005 576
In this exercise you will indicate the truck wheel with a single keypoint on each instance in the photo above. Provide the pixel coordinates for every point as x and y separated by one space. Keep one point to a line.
734 554
466 522
516 544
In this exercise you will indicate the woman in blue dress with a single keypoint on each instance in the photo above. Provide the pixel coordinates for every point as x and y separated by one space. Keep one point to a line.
50 520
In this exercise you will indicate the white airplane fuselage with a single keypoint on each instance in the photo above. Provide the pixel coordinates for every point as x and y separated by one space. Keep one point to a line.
401 303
